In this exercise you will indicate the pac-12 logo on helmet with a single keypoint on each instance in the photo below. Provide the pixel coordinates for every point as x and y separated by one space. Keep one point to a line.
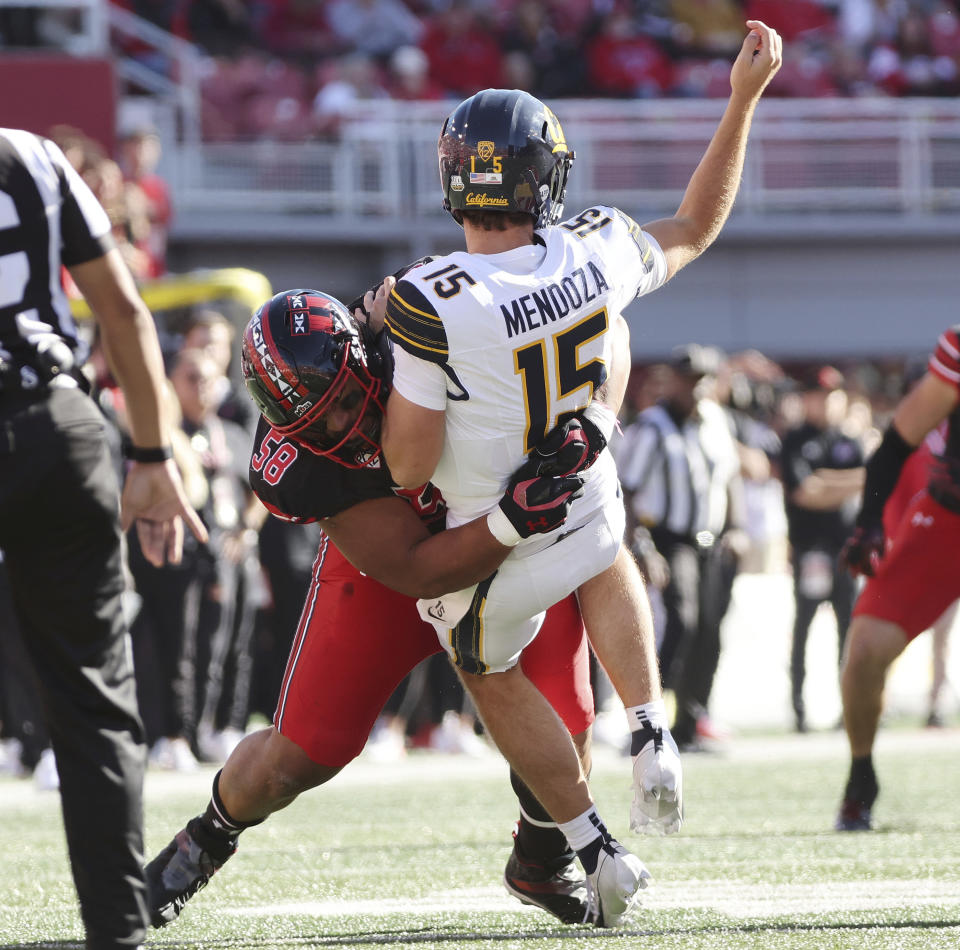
305 366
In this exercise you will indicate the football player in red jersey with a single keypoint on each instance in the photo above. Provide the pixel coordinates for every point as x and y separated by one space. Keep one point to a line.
912 576
318 378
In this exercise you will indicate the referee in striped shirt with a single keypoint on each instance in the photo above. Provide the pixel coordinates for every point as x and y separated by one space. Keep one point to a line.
680 471
59 520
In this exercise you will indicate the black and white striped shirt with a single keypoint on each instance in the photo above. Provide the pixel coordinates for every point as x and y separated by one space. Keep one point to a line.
48 218
679 477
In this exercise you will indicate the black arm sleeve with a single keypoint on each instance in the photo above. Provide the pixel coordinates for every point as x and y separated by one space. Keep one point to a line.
883 470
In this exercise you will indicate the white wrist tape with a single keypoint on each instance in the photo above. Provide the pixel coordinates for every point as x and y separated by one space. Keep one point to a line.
501 529
603 417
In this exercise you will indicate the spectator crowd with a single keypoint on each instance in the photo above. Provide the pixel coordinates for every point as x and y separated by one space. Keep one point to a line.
290 69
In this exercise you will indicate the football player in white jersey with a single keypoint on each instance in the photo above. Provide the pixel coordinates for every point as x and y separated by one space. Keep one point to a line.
492 346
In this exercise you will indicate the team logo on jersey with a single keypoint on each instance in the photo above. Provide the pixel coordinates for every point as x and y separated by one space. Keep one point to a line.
485 150
456 183
485 201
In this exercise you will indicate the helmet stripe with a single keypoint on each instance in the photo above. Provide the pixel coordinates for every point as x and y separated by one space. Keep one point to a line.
296 387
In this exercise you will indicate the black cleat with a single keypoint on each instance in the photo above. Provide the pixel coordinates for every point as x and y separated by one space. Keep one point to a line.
182 868
561 892
854 816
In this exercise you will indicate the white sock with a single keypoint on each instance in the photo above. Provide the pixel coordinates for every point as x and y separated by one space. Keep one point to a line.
583 829
652 714
587 834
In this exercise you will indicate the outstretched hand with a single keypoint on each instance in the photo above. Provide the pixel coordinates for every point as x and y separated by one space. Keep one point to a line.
154 499
760 57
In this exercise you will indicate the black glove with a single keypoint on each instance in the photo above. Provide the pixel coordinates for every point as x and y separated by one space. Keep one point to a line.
533 503
571 446
863 550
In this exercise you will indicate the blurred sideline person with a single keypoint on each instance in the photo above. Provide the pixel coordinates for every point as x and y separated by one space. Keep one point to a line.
822 471
318 379
59 524
493 345
212 331
680 470
912 576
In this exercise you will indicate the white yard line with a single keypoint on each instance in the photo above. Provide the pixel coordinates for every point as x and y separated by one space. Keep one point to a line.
737 900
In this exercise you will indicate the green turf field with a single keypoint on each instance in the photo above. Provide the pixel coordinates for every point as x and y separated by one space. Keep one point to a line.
411 854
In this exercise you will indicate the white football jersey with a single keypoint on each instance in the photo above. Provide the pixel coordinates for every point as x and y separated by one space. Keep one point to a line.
508 343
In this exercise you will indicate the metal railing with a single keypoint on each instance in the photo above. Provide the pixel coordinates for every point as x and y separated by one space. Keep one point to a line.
825 156
85 35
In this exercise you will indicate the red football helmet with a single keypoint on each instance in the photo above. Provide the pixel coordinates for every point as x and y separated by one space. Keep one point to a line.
305 364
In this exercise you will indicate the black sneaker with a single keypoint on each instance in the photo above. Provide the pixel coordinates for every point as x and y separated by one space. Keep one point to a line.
854 816
561 892
182 868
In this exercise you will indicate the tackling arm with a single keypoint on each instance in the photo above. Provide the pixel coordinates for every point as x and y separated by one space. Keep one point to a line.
385 538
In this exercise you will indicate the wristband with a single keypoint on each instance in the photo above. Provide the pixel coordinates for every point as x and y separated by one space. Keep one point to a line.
499 526
148 456
603 417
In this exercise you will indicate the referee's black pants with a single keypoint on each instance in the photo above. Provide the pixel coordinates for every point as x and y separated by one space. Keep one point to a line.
60 535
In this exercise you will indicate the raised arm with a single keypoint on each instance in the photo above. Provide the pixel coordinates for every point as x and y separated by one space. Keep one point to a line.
713 187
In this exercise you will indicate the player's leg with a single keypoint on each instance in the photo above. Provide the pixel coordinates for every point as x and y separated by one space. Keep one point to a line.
616 611
805 607
534 741
64 563
503 615
542 869
872 645
356 641
941 637
914 583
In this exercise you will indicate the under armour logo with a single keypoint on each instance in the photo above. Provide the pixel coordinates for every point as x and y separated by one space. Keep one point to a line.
924 521
540 523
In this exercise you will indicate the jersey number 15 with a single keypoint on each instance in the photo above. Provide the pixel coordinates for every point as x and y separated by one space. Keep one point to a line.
530 363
